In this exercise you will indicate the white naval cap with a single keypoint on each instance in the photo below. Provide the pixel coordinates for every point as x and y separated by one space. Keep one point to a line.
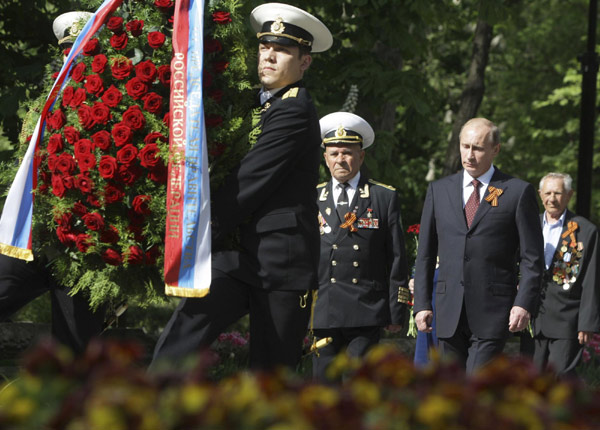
346 128
289 25
64 28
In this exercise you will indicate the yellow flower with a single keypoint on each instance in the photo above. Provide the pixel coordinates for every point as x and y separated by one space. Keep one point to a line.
194 398
365 392
437 411
318 395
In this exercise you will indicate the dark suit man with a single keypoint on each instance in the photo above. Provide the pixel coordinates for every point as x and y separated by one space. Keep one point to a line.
569 311
363 281
485 234
269 201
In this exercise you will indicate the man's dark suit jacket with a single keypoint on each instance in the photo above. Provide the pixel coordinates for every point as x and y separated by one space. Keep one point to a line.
362 273
479 265
271 198
565 312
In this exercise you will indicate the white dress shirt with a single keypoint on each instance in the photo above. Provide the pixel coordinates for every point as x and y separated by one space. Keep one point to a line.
468 186
351 190
552 237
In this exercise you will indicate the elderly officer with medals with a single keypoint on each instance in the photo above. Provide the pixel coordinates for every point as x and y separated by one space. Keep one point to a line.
569 312
269 203
363 276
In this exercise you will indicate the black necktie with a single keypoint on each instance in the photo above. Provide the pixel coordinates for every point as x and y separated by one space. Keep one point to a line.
342 202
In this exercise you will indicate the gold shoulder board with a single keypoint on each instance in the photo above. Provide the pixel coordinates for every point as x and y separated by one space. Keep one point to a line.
389 187
292 92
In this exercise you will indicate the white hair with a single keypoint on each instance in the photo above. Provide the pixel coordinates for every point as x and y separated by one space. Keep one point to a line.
566 178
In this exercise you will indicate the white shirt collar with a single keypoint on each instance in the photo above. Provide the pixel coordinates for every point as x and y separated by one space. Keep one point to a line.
267 94
484 179
352 182
561 220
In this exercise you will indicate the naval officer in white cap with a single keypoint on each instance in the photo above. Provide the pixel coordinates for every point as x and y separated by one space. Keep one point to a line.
363 276
269 204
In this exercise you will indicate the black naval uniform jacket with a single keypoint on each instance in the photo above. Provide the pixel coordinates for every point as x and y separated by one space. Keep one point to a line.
363 275
270 199
570 300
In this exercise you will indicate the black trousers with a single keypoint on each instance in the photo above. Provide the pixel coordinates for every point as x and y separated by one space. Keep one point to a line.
278 323
560 355
356 341
73 323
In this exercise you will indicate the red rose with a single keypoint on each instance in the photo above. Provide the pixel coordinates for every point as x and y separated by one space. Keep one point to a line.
214 121
163 4
212 45
115 24
83 146
64 220
93 200
220 66
164 75
85 117
67 95
152 255
101 139
127 154
206 79
65 163
92 47
112 96
140 204
159 173
152 103
119 41
135 27
66 52
56 120
136 88
216 95
112 194
83 242
156 39
77 72
135 255
146 71
78 98
66 236
86 162
100 113
94 221
79 209
107 167
94 84
154 137
149 155
121 68
52 160
58 188
112 257
221 17
110 235
99 63
167 119
128 174
84 183
134 118
71 134
55 143
68 182
122 134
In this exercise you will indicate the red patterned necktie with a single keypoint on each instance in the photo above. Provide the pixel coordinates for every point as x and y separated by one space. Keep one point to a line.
472 203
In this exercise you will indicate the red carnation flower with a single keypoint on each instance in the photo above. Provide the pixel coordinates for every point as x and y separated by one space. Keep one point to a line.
135 255
127 154
134 118
164 75
100 113
55 143
135 27
99 63
149 156
121 68
101 139
112 194
77 72
119 41
212 45
92 47
110 235
112 257
84 183
112 96
94 84
221 17
136 88
122 134
83 242
79 96
86 119
58 188
56 120
152 103
156 39
115 24
71 134
129 173
79 209
146 71
67 95
107 167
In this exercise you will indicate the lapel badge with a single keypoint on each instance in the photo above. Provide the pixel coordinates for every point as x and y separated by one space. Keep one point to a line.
328 211
364 192
369 213
323 197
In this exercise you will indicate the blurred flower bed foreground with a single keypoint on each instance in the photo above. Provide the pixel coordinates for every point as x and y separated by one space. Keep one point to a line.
108 388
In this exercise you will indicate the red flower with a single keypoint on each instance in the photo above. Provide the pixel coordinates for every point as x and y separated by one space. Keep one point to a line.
86 162
136 88
92 47
129 173
146 71
58 188
216 95
122 134
115 24
164 75
86 119
107 167
415 228
99 63
221 17
121 68
149 156
52 160
163 4
71 134
159 173
152 255
77 72
67 95
119 41
112 96
56 120
112 194
100 113
93 200
110 235
55 143
152 103
79 209
212 45
156 39
83 242
154 137
101 139
140 204
68 182
84 183
127 154
135 27
112 257
83 146
167 119
66 236
66 52
134 118
94 84
135 255
220 66
65 163
94 221
79 97
214 120
64 220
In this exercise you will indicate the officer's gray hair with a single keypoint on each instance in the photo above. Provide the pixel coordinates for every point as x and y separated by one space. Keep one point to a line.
566 178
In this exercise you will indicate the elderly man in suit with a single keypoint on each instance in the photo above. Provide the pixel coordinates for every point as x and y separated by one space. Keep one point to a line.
484 225
570 306
363 277
269 204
